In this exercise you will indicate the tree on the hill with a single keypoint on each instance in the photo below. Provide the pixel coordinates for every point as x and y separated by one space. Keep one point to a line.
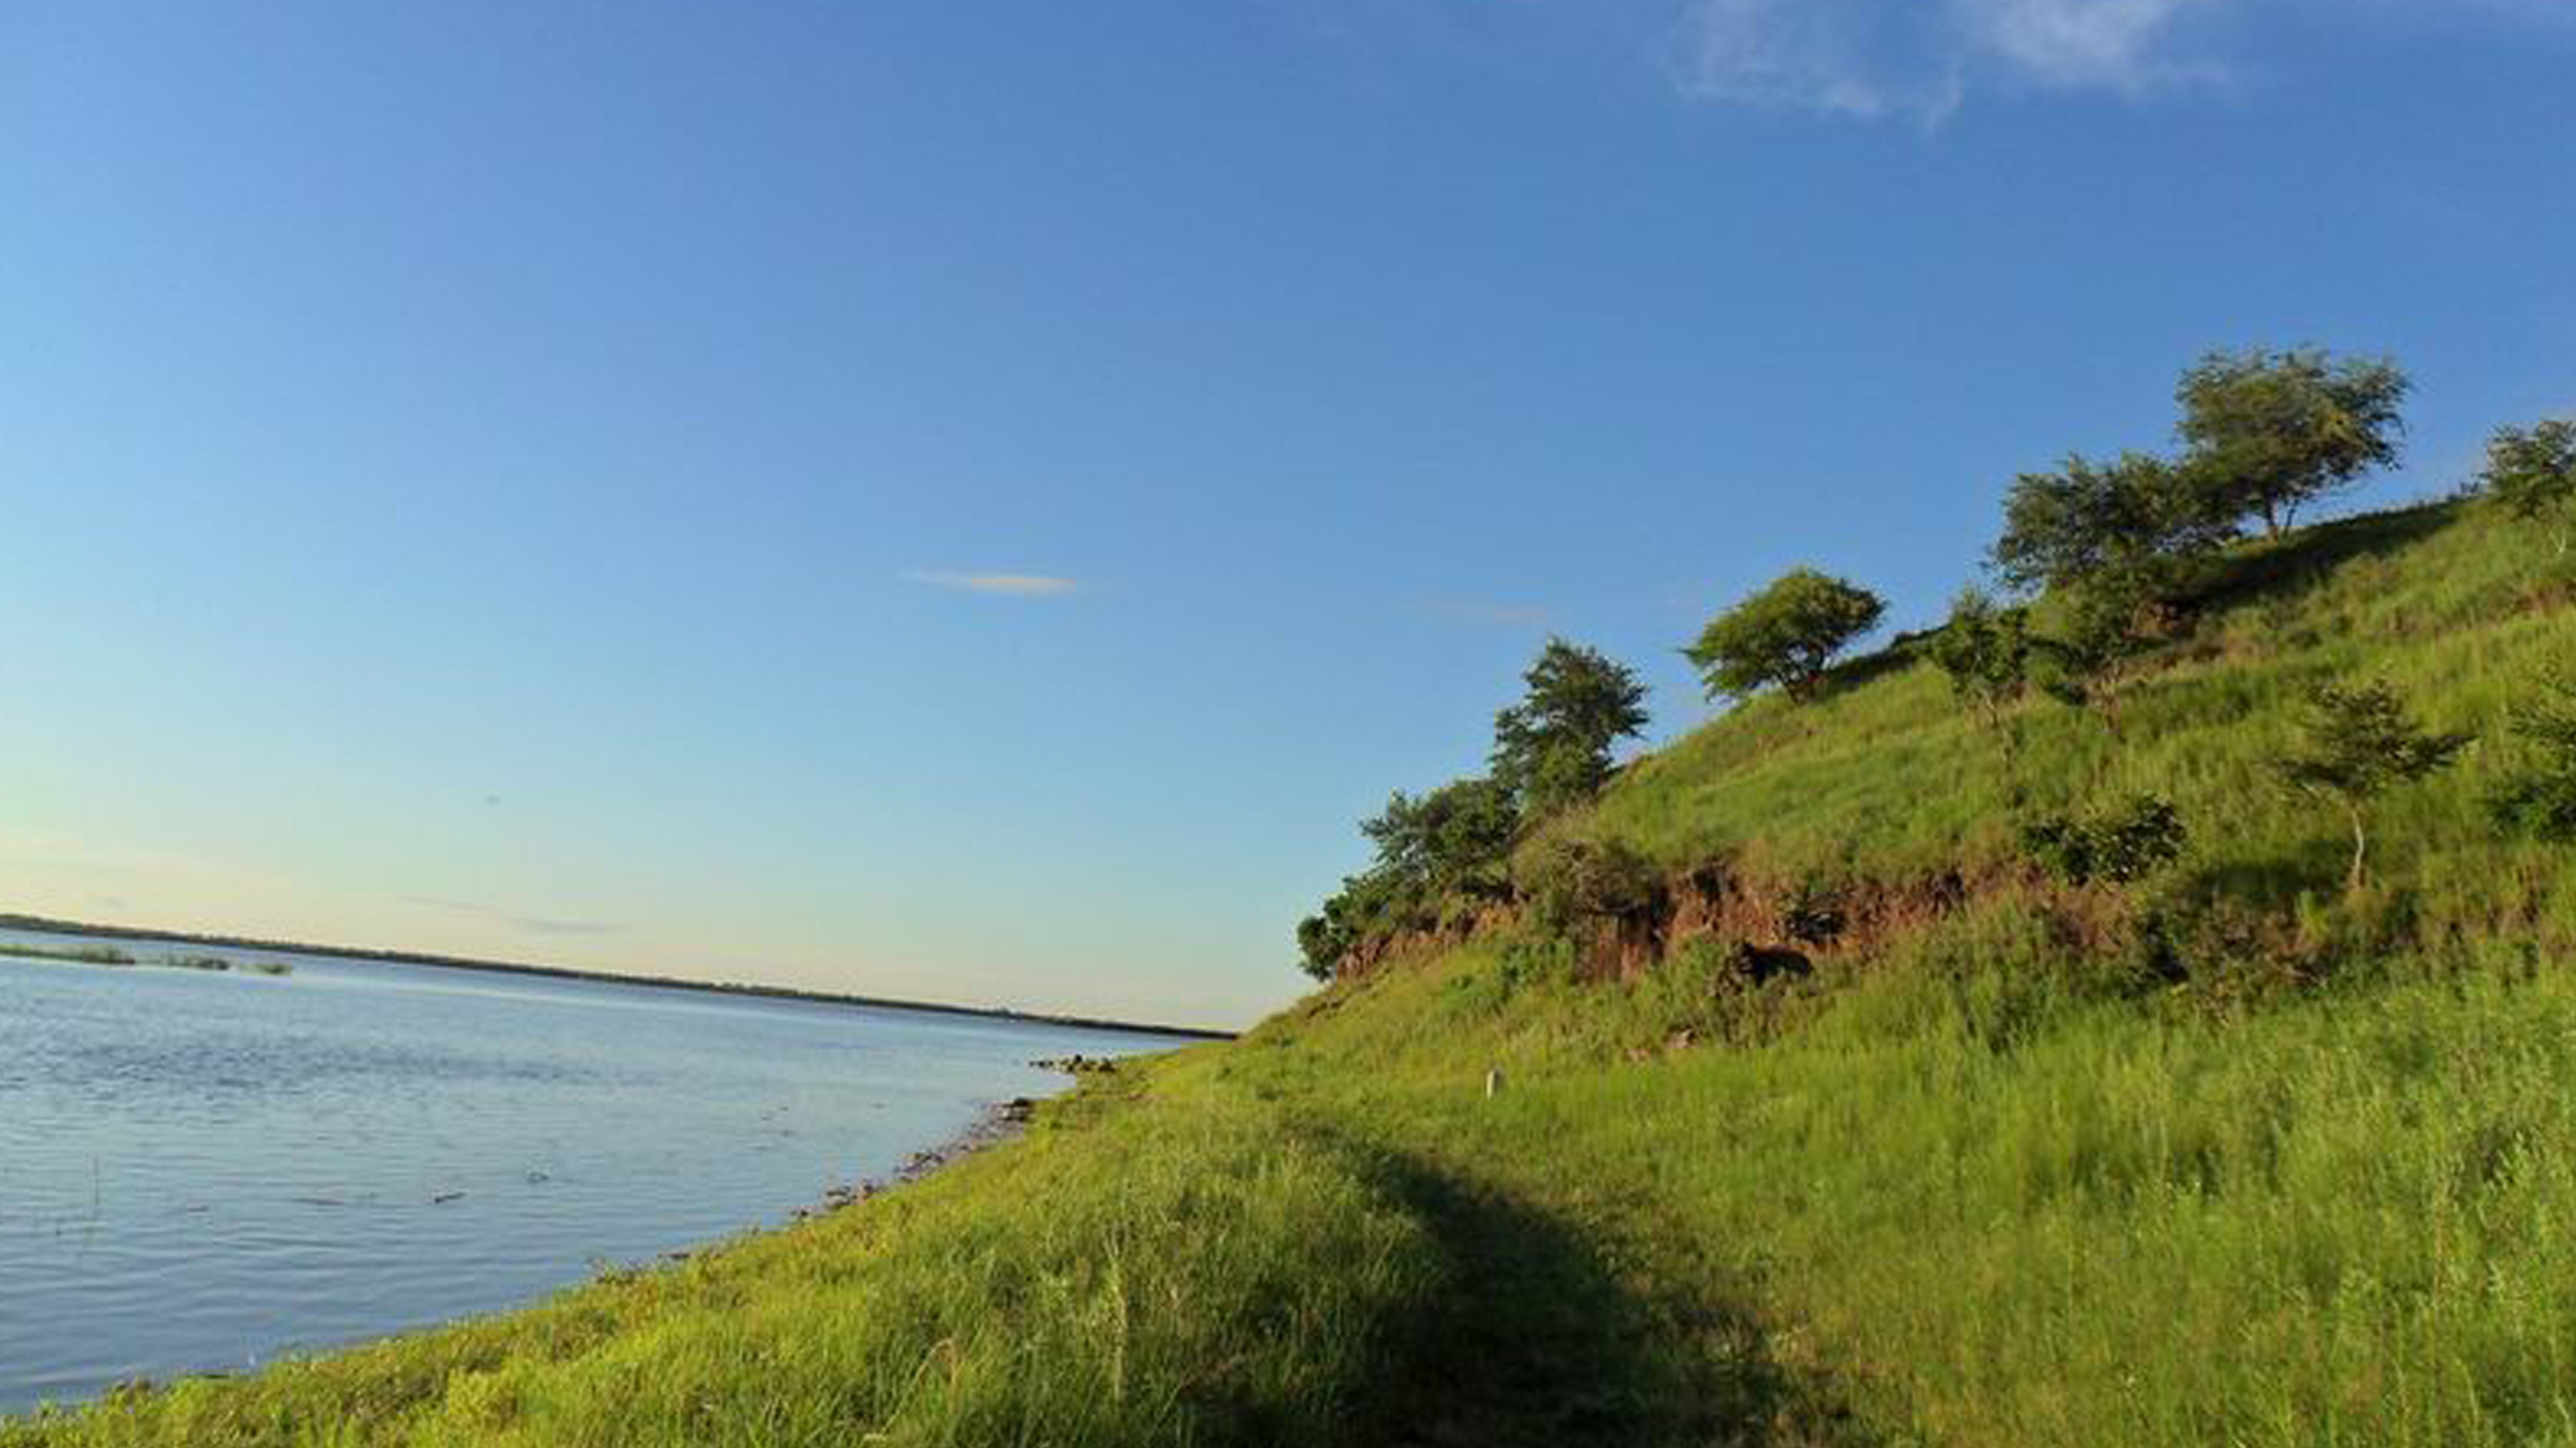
2092 654
2266 432
2540 796
1569 877
1369 906
1320 946
2117 543
2358 744
1455 837
1785 635
2134 521
1552 749
2532 472
1985 649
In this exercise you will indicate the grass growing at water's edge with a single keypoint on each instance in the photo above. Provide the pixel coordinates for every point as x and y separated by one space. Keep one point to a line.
111 955
80 954
223 963
1974 1181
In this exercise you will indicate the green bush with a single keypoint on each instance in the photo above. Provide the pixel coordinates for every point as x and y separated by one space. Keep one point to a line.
2120 845
2539 796
1784 635
1985 650
2531 472
1571 877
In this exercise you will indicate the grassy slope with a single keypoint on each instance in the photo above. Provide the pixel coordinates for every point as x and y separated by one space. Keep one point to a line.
1962 1186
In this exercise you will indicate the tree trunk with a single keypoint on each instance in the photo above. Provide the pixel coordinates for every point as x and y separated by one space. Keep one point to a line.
2360 848
2271 520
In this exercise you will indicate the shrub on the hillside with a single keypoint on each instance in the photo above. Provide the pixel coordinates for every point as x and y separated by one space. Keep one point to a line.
2121 845
2531 471
2117 544
2358 744
1439 853
1786 635
2134 524
2092 655
2539 796
1370 905
1320 945
1985 648
2233 954
2267 432
1523 965
1552 749
1571 877
1454 838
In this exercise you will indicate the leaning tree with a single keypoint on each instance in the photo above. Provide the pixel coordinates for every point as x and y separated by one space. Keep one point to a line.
1785 635
2266 432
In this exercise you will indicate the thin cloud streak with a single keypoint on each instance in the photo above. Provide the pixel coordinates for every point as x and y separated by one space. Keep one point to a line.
1874 59
1868 59
1015 585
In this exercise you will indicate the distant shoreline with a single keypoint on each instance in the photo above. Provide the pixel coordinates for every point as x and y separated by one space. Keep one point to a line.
559 972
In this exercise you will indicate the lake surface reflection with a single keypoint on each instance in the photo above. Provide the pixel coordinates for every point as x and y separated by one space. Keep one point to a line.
202 1171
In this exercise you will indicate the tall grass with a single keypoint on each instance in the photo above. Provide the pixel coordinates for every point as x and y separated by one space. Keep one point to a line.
2343 1219
1980 1179
1169 1275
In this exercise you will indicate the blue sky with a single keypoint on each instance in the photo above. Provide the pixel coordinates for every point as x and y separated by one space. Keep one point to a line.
972 502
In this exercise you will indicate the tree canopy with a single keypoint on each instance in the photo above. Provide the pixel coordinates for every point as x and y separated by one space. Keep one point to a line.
1553 747
2265 432
1785 635
2539 796
1985 648
2532 471
2132 521
2359 744
1453 837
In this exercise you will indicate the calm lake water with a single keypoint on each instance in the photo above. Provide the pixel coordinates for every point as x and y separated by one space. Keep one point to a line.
200 1171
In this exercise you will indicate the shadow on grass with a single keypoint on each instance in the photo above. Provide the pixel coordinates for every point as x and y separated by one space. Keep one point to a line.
1896 658
1538 1340
2278 884
2305 558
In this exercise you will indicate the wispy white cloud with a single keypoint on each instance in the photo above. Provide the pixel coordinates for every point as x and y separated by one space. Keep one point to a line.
1019 585
1875 58
1918 59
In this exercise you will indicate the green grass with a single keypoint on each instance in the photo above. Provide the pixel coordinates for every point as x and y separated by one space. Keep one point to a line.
2452 607
2343 1219
1158 1274
1975 1180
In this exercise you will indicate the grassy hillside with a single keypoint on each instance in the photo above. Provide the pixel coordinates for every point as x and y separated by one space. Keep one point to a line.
1991 1172
2456 608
